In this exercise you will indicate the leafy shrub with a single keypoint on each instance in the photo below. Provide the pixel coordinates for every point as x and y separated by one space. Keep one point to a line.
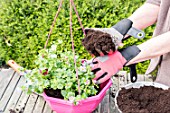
24 26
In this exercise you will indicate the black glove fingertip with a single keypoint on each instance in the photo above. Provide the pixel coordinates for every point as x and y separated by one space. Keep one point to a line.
95 62
96 70
104 74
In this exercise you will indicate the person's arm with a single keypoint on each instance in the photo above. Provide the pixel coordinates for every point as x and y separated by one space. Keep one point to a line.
105 67
145 16
154 47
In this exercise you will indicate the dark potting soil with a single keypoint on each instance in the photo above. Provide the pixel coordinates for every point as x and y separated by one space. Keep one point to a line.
54 93
57 93
147 99
96 42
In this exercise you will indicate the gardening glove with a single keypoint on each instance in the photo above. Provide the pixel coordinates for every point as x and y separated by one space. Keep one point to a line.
114 35
107 66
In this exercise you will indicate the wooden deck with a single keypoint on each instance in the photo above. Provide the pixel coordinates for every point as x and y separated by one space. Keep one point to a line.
13 99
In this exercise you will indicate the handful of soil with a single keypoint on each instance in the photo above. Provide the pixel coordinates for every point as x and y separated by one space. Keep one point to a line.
96 42
147 99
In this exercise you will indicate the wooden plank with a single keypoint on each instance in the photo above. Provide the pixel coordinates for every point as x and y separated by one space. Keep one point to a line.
113 91
7 95
140 78
148 78
20 106
31 103
5 72
105 104
122 75
15 96
47 109
115 85
111 101
97 110
5 78
39 105
119 82
113 108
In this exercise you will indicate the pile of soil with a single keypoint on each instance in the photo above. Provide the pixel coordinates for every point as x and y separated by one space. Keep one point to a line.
147 99
96 42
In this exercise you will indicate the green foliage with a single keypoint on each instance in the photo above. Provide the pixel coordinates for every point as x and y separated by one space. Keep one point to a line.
56 70
24 25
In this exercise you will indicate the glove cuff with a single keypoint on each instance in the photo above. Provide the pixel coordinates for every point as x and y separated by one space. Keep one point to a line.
123 26
130 52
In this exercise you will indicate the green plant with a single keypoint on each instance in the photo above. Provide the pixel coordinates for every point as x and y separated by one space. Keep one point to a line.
56 70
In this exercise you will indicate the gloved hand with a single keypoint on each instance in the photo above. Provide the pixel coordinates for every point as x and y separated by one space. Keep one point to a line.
102 41
108 65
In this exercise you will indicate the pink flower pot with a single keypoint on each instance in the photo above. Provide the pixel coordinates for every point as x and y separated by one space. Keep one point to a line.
85 106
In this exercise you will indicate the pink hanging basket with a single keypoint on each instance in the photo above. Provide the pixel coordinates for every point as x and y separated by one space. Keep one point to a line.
85 106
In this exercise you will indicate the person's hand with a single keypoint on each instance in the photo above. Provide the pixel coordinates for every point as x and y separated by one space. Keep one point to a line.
108 65
103 41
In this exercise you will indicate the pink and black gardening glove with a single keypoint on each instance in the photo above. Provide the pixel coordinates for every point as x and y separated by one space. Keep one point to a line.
103 41
106 66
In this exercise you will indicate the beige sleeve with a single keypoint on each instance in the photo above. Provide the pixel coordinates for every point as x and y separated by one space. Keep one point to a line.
155 2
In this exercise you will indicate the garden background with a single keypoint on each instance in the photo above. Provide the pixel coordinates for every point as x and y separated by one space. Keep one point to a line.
24 26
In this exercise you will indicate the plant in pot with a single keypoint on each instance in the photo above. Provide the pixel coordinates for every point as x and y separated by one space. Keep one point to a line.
64 80
65 88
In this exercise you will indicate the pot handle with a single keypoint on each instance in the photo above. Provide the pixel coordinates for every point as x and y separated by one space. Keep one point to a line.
133 73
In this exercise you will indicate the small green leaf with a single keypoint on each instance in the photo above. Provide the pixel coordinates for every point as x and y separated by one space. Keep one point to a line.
60 86
71 94
64 93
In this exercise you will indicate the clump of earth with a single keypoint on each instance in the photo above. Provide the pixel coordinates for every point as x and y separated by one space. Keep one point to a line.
96 42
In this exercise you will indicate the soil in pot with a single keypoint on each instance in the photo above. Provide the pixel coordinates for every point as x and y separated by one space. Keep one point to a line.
147 99
57 93
96 42
54 93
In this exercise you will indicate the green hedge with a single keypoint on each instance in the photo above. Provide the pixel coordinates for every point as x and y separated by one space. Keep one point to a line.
24 25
